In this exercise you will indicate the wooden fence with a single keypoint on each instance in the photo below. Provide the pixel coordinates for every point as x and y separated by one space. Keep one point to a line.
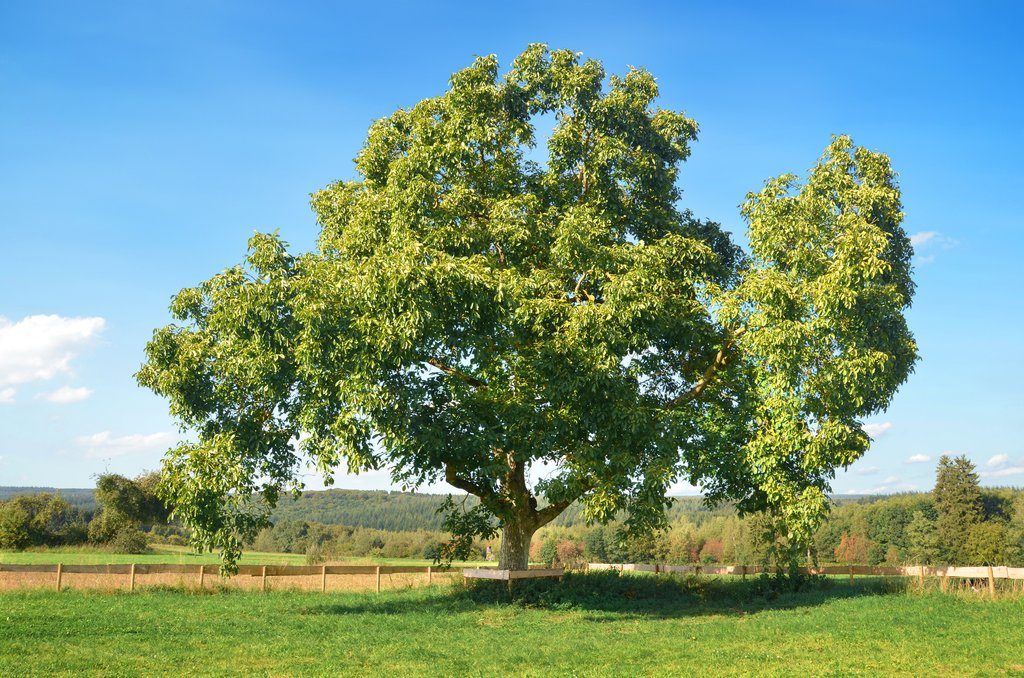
989 572
131 571
265 572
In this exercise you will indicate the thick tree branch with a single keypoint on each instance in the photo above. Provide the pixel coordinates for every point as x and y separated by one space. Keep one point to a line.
458 374
452 477
552 511
720 361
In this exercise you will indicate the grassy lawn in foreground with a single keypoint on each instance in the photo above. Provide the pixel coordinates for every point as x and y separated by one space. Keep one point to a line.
599 629
166 553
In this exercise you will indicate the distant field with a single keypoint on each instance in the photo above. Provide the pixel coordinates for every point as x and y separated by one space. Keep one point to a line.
442 630
180 555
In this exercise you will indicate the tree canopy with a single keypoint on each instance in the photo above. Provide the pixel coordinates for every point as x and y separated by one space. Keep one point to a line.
535 319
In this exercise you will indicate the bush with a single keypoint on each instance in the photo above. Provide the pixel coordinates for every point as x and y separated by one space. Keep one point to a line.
315 555
129 539
986 544
569 553
432 550
39 520
14 526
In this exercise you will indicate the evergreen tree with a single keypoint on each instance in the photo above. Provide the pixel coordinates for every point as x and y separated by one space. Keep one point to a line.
923 545
1015 532
958 503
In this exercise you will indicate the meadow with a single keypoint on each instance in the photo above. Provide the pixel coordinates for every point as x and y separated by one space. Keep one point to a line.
595 624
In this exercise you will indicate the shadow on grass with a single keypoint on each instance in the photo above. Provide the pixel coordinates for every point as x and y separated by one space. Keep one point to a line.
628 594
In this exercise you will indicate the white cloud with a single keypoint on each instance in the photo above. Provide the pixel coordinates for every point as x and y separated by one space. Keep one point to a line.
919 459
1003 472
67 394
998 461
878 430
928 240
888 486
921 237
868 471
104 445
6 396
39 347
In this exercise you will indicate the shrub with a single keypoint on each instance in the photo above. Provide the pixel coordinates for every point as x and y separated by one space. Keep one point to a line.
986 544
712 551
569 553
129 539
14 526
854 548
432 550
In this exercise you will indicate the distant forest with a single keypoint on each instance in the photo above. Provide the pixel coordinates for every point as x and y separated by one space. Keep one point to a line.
395 511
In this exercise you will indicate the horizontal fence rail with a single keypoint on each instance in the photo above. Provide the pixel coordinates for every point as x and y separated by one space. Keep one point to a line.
983 572
991 573
264 572
200 571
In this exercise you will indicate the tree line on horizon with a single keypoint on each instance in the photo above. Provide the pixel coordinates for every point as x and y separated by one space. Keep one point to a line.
959 522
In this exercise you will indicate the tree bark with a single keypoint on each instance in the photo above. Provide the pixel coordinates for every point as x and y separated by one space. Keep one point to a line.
514 553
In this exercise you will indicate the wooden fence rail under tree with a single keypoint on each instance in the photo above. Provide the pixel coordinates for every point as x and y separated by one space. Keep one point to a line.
200 572
265 572
991 573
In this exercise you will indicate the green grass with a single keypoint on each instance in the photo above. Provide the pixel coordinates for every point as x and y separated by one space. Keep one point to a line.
595 624
160 553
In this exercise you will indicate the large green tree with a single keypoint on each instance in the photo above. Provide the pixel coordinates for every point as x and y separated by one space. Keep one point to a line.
958 503
533 318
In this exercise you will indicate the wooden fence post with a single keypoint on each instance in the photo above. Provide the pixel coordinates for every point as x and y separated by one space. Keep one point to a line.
744 572
920 576
323 579
851 575
430 575
991 583
202 573
60 573
378 579
264 582
945 579
131 585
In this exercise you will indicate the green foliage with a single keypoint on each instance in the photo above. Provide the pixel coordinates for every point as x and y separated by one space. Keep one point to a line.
135 499
986 544
471 312
39 520
78 497
125 506
1015 530
923 544
129 539
14 526
958 502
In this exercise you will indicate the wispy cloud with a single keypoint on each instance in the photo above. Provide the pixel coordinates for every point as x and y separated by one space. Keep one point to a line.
919 459
868 471
39 347
67 394
998 461
926 242
6 396
104 445
877 430
1003 472
922 237
888 486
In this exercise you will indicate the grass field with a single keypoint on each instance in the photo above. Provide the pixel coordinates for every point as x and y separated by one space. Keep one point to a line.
165 553
591 625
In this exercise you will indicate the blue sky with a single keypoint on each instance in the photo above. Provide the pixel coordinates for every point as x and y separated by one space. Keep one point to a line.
142 143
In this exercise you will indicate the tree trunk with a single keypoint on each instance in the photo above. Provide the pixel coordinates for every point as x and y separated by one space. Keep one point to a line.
514 553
